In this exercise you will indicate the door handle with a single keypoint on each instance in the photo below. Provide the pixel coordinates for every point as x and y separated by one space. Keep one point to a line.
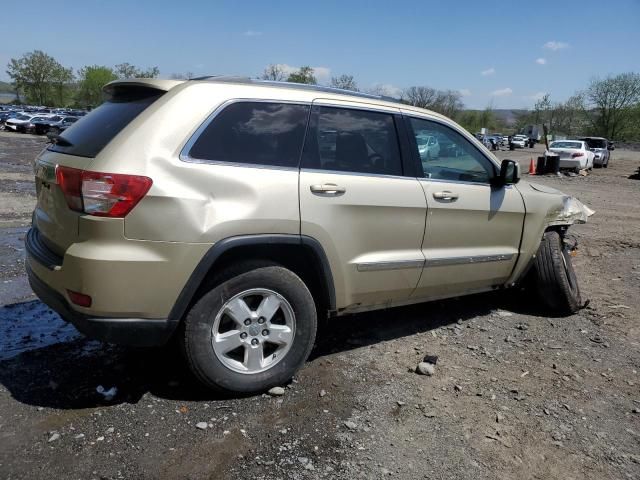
445 195
328 189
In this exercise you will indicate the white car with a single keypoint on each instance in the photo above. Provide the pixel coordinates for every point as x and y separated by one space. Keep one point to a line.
428 147
18 123
574 154
520 140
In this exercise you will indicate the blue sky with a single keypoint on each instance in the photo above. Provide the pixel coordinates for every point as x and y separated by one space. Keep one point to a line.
507 53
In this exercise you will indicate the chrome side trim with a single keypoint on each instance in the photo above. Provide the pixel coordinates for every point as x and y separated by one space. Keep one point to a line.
357 174
392 265
439 262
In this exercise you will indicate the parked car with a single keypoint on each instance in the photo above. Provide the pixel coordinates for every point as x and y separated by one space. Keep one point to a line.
41 125
519 141
574 154
270 205
62 124
600 147
6 115
428 147
19 123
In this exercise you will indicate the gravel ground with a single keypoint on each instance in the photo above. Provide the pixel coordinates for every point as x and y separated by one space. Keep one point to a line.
514 394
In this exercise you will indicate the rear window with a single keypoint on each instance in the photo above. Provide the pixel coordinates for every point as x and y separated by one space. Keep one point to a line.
88 137
576 145
258 133
596 143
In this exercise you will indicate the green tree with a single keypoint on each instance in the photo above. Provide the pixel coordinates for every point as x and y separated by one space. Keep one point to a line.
41 78
274 72
304 75
610 104
345 82
91 80
126 70
446 102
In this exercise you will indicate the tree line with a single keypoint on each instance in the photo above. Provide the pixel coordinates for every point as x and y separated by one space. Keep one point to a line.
608 107
39 79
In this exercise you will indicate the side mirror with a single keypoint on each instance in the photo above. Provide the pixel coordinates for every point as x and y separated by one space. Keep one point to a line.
509 174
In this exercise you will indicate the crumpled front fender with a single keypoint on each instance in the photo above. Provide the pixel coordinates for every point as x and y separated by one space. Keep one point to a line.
572 211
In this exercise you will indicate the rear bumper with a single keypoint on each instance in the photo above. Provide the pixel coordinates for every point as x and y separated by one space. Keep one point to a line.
569 163
133 284
137 332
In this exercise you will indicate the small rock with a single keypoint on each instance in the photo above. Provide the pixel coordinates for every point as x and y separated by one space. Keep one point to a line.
458 388
426 368
401 403
350 425
499 417
303 460
99 439
111 430
276 392
472 347
79 436
202 425
546 411
322 393
432 359
636 410
503 313
55 436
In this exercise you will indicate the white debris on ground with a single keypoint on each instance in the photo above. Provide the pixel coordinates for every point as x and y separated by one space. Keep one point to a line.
108 394
29 326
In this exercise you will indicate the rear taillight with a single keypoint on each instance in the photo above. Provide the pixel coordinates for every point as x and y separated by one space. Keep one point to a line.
101 194
577 154
79 299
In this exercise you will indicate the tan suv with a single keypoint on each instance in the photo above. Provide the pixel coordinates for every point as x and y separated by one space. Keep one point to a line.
233 213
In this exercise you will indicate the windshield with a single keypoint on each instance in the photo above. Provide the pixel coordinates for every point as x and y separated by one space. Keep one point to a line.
596 143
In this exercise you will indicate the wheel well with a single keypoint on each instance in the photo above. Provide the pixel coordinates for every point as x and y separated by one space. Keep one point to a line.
302 258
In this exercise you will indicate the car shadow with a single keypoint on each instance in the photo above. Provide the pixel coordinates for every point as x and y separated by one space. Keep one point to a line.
67 375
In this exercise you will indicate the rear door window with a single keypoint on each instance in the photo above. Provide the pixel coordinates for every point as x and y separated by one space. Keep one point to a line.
351 140
254 133
88 137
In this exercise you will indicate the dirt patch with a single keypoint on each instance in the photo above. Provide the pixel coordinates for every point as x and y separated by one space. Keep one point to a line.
515 394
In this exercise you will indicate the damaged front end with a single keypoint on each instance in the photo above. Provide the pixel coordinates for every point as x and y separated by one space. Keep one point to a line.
573 211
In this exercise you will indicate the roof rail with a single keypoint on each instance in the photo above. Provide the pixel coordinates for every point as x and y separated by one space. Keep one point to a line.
295 86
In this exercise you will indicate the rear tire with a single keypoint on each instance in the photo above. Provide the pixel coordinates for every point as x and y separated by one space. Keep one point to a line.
555 278
267 316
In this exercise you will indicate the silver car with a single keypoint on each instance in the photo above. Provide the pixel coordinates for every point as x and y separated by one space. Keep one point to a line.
600 147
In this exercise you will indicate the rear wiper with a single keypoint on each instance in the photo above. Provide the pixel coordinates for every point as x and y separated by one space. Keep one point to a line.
58 140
